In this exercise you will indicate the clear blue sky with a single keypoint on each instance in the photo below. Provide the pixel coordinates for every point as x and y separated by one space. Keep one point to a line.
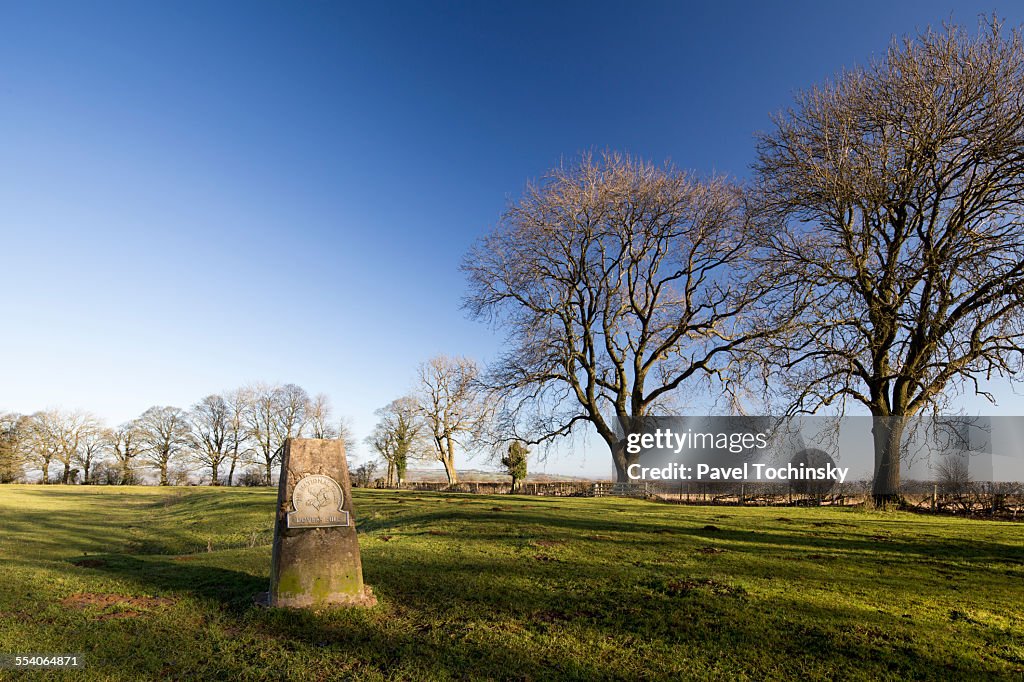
195 195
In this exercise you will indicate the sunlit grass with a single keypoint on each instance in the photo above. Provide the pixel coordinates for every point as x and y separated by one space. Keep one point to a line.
502 587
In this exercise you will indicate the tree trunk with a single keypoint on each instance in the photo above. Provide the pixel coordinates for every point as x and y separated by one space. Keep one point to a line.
622 460
449 469
46 471
888 435
85 471
126 472
163 473
448 459
66 475
231 471
214 471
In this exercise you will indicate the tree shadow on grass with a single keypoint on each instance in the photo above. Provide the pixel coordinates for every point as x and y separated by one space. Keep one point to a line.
769 537
231 590
360 640
442 617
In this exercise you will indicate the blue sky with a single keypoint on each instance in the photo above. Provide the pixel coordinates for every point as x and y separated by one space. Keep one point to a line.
195 195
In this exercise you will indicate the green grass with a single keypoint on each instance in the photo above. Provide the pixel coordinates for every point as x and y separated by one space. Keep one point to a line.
502 587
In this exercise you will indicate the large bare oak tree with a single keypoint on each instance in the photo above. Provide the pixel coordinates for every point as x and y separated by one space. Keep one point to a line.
896 198
617 282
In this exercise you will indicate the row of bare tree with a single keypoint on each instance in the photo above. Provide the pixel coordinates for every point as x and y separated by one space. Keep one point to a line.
221 436
875 258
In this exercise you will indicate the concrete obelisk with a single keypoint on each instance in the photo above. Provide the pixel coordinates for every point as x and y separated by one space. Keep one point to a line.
316 553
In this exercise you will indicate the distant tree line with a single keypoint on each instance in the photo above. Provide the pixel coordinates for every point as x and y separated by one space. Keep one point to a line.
228 438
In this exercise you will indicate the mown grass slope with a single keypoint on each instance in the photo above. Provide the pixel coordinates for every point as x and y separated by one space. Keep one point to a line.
157 583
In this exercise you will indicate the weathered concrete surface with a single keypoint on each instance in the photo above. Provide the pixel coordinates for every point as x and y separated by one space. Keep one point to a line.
316 565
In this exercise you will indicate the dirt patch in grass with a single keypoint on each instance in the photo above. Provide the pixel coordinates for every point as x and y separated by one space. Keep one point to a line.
686 585
438 532
115 615
711 528
710 550
551 616
545 558
90 563
548 543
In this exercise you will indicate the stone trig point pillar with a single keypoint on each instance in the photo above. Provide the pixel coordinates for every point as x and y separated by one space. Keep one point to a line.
316 553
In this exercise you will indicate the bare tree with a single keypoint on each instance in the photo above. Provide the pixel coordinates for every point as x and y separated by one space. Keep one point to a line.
39 442
398 436
894 199
93 445
125 444
210 419
319 415
348 437
275 413
56 436
293 411
165 435
69 434
13 429
362 475
618 282
452 406
261 418
239 404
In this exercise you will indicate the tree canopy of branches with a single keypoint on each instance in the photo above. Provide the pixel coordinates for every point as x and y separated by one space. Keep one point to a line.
274 414
126 445
12 432
239 448
618 282
165 435
319 415
894 198
398 436
56 436
93 445
452 406
210 420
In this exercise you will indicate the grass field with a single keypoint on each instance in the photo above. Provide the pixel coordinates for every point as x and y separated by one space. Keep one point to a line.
157 583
